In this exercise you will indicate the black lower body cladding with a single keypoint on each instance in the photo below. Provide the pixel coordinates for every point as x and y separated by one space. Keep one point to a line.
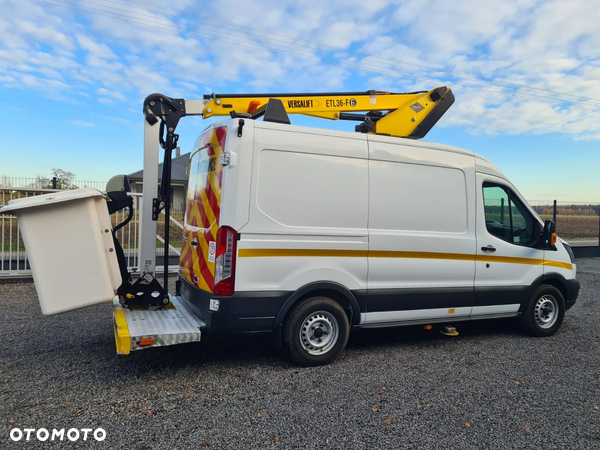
239 313
256 311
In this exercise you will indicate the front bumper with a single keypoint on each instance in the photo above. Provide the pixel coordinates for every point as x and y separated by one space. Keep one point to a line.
574 287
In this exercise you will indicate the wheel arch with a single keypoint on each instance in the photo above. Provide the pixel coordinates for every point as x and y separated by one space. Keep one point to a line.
553 279
532 319
335 291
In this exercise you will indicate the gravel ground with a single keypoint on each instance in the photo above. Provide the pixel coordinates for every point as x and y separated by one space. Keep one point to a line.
492 386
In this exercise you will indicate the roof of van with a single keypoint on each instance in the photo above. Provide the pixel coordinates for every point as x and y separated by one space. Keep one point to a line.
481 164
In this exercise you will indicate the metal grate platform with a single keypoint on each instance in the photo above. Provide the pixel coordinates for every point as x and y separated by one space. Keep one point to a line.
175 324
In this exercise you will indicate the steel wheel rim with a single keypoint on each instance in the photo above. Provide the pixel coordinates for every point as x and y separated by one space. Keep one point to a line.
546 311
319 333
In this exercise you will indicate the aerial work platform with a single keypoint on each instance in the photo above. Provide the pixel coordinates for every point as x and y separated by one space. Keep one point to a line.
73 230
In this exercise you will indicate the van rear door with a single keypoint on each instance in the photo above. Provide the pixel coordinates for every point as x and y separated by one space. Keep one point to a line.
203 209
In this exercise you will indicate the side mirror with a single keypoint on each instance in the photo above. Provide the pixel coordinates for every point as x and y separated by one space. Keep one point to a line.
548 234
118 183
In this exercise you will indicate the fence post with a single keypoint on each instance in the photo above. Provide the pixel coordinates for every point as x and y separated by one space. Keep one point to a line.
554 213
54 180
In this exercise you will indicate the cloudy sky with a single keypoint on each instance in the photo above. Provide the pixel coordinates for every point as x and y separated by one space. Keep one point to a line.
525 73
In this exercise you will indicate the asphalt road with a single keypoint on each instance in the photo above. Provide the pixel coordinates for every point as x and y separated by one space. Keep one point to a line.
490 387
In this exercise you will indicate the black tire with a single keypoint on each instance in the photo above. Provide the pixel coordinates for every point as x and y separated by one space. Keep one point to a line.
544 311
311 347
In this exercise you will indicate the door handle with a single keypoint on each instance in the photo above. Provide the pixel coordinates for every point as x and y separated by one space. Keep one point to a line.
489 248
194 242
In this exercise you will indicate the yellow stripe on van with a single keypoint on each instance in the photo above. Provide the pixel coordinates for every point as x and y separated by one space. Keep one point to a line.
204 251
285 252
292 252
300 252
559 264
510 260
529 261
214 181
210 215
202 284
421 255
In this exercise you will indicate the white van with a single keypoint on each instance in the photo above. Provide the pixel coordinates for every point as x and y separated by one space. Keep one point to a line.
308 233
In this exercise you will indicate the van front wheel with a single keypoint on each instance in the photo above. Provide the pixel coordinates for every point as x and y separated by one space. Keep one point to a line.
316 331
544 312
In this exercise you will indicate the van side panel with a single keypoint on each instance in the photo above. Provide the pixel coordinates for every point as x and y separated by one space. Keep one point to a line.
421 233
308 212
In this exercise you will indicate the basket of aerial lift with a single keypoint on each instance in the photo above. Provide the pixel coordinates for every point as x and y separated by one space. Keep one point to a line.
70 248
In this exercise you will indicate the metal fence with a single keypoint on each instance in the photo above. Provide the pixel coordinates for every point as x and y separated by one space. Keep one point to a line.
40 183
13 258
576 222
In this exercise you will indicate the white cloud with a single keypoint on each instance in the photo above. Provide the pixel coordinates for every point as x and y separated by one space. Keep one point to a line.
111 93
44 34
98 55
481 49
82 123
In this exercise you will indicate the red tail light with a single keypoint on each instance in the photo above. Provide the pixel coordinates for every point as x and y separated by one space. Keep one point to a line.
225 261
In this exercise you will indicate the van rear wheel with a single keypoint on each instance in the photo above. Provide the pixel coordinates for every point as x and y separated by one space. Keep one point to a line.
316 331
544 312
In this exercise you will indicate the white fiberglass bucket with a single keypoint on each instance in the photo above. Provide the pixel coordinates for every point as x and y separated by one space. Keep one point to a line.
70 248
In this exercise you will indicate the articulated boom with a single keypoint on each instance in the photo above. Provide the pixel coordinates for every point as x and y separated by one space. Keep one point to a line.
409 115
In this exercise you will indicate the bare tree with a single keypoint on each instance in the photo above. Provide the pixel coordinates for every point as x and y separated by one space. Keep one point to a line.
5 181
41 182
64 179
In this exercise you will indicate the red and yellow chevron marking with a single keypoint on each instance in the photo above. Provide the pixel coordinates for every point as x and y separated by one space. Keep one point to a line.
203 209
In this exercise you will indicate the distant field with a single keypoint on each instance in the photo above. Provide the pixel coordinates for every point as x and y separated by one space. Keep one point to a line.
575 227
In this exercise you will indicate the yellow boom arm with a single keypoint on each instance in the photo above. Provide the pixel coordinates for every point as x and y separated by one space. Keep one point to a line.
409 115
